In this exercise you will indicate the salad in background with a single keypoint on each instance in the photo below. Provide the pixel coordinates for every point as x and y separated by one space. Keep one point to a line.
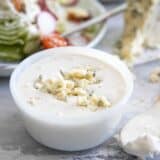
27 26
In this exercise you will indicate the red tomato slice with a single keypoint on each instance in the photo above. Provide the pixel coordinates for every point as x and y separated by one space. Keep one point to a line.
54 40
18 4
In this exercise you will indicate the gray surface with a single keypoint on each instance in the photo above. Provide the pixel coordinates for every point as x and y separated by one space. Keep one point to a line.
16 144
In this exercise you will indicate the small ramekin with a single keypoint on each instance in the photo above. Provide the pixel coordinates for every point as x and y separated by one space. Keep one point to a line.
72 135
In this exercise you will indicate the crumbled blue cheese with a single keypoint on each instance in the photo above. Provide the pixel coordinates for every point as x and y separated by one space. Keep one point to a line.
73 83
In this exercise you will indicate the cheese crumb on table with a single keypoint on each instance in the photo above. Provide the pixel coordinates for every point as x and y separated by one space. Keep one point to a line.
155 76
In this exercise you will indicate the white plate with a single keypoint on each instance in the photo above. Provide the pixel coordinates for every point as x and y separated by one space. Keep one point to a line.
95 7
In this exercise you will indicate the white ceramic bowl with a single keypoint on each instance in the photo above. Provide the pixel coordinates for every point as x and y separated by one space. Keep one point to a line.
70 135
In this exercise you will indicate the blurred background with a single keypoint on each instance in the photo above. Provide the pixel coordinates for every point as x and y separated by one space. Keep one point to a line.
111 1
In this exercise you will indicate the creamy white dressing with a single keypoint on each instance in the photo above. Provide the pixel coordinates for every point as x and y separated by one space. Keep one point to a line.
141 135
112 84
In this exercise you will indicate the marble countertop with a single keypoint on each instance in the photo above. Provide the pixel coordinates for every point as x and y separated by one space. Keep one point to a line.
16 144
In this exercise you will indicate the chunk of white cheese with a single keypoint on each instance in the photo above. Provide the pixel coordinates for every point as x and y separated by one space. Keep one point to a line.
140 16
141 135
